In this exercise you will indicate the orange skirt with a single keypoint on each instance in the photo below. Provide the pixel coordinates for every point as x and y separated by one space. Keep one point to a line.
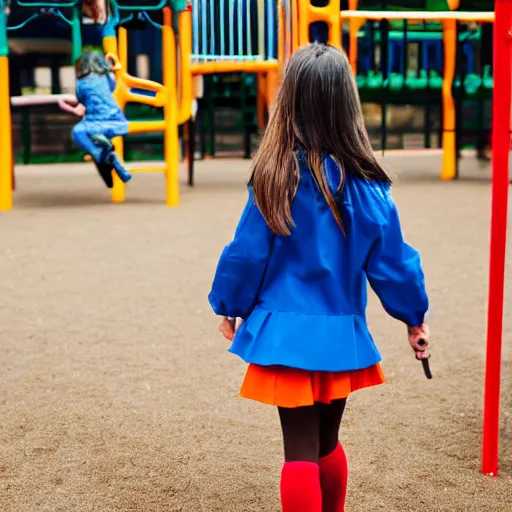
291 387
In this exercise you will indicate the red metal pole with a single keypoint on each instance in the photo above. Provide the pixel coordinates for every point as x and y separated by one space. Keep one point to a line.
500 184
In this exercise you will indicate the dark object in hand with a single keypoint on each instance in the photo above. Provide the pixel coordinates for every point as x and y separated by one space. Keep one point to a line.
425 362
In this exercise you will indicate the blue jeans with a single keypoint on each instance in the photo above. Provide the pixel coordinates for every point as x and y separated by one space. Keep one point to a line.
83 131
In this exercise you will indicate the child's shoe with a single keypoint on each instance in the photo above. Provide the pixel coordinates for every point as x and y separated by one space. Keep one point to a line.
116 164
105 171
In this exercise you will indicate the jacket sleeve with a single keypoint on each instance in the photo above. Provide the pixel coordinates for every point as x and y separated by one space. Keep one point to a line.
242 265
394 271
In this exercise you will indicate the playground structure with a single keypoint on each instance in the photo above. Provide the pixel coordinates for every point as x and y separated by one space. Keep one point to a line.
191 49
234 52
249 36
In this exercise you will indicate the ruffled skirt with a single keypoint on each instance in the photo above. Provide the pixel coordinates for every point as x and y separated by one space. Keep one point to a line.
290 387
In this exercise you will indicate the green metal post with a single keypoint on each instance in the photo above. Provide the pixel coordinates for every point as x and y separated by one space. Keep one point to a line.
76 35
4 47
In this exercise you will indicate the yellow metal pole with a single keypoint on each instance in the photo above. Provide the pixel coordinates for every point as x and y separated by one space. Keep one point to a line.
295 27
186 87
303 15
110 45
123 47
119 188
6 157
333 19
271 85
354 25
329 14
171 142
449 169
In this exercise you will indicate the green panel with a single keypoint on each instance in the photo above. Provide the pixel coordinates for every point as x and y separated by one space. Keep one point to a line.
4 48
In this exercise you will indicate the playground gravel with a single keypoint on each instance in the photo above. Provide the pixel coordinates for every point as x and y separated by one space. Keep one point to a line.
116 391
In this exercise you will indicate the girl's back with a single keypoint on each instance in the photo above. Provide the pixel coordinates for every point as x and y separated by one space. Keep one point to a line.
316 261
319 224
94 88
95 93
312 284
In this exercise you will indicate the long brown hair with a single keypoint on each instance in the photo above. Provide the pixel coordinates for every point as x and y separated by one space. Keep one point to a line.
318 109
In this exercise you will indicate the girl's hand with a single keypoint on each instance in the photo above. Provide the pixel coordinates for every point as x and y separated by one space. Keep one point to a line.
229 327
80 110
73 107
419 339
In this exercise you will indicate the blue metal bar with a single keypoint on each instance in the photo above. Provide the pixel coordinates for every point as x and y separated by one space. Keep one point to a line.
195 25
212 25
242 58
270 28
158 7
126 19
204 28
58 5
240 27
24 23
222 28
231 27
146 16
58 13
248 21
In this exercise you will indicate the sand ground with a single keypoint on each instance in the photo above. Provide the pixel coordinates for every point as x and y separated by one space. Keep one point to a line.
117 394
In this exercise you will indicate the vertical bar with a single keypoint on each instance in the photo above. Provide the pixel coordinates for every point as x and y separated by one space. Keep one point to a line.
248 22
386 75
171 142
270 29
212 28
294 26
186 86
204 28
222 16
6 157
123 47
119 188
231 27
240 18
449 169
76 36
460 73
354 27
196 31
284 31
261 28
500 176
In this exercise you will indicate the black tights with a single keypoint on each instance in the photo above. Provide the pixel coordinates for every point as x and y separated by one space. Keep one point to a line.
310 433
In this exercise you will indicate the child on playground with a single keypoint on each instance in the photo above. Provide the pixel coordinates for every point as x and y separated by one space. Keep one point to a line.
102 120
319 223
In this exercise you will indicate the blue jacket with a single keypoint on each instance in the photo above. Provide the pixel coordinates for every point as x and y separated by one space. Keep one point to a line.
303 297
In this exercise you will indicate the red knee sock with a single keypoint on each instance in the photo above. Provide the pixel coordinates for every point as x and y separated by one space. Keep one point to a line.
334 479
300 487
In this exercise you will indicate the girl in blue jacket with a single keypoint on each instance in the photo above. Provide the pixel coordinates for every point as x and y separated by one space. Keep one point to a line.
319 223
